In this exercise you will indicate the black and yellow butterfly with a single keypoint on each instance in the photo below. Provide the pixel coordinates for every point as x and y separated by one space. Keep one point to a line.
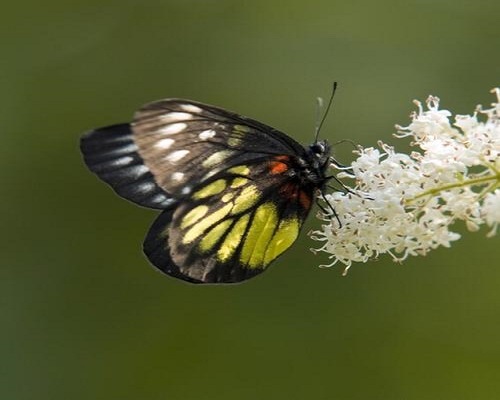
234 192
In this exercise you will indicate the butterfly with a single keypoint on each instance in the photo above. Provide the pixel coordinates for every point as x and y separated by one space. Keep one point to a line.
234 192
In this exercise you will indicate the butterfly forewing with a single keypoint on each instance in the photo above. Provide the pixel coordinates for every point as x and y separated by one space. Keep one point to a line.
185 142
112 154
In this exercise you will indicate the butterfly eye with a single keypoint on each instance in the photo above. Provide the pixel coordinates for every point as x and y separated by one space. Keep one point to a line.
318 148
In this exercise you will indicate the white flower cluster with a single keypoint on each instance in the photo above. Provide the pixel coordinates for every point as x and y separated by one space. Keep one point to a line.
405 204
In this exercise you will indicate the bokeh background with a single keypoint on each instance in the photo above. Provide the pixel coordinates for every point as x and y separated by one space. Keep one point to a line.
83 314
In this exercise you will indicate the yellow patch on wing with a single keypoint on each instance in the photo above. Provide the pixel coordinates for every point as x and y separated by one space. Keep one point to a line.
227 197
211 238
238 182
193 216
216 158
246 199
260 233
285 235
240 170
233 239
232 141
240 128
199 228
211 189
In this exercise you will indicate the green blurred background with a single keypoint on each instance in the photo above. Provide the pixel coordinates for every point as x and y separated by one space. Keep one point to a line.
83 314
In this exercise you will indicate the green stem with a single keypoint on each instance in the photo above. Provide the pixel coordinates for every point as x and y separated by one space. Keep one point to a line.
467 182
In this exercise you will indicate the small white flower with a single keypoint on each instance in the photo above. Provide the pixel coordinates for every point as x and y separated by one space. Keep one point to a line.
404 204
491 210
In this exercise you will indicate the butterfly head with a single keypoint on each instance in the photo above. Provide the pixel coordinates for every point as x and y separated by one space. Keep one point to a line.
319 155
320 151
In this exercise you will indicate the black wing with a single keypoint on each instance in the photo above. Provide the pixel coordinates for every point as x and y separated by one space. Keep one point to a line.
173 145
232 226
112 154
231 204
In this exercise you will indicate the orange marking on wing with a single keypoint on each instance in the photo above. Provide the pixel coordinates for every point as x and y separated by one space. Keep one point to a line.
278 165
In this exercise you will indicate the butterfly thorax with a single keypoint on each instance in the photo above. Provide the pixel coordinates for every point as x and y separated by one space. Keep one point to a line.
311 168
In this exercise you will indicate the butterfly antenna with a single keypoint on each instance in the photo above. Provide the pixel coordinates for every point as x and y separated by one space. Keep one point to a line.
319 112
320 105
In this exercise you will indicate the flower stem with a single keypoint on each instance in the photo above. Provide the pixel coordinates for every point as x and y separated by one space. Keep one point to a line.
467 182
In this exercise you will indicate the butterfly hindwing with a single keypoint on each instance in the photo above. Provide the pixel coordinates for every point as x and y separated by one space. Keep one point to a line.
232 227
184 143
155 247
